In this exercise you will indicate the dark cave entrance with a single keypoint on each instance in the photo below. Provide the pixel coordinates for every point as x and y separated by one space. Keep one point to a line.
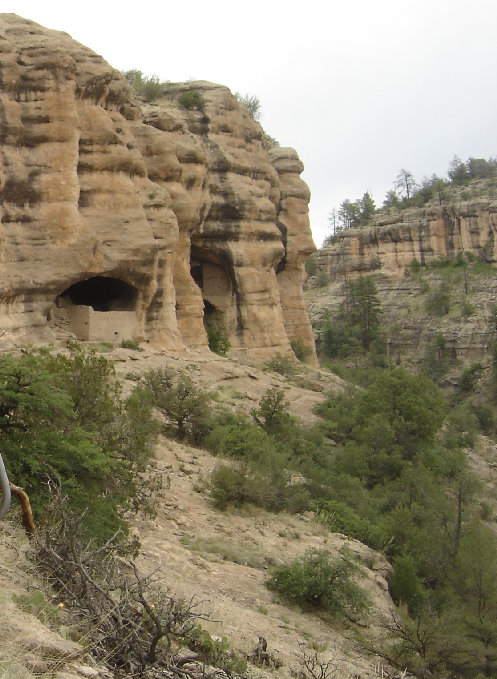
97 309
103 294
212 278
212 316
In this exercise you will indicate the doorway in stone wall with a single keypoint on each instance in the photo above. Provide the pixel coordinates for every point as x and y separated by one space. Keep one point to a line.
213 280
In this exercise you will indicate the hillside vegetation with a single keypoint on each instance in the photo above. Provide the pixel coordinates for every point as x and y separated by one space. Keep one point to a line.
384 485
473 179
385 464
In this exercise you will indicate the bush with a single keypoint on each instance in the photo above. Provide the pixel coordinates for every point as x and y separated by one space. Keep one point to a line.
486 418
438 301
241 440
62 417
300 349
192 100
310 266
469 379
415 265
272 414
283 365
129 623
148 87
405 586
340 518
436 360
233 486
130 344
178 398
252 103
319 581
217 338
322 280
467 308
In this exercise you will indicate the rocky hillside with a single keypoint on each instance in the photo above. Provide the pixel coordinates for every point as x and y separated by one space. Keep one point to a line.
393 241
413 255
222 559
151 222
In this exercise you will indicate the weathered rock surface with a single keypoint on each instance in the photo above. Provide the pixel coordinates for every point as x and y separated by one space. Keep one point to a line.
121 221
390 245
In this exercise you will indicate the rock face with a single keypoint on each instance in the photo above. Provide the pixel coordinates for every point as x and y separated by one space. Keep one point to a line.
391 244
123 221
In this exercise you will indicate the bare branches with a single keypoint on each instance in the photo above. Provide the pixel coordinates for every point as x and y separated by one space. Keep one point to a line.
132 623
311 667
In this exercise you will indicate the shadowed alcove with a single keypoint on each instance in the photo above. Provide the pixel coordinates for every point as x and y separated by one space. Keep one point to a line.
97 309
103 294
212 277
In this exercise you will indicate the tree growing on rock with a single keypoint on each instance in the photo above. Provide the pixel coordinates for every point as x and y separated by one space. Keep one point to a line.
405 184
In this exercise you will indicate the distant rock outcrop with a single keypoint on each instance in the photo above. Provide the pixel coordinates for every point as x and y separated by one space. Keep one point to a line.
425 235
121 220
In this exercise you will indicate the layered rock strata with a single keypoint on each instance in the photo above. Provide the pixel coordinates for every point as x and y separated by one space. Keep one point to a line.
392 243
124 220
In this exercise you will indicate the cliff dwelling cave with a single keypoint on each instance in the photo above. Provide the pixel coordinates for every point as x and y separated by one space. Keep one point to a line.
215 285
103 294
97 309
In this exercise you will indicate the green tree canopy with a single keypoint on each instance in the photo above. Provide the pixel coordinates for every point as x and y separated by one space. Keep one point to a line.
413 405
365 308
62 417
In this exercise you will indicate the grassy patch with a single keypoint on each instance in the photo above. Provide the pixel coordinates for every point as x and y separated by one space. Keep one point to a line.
225 550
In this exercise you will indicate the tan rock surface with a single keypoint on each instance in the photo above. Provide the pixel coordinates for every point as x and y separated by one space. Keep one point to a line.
391 243
178 217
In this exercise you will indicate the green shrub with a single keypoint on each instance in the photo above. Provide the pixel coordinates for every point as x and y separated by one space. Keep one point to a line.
310 265
176 395
467 308
272 414
415 265
486 418
340 518
252 103
322 280
149 88
240 439
62 417
152 89
192 100
437 302
436 360
216 653
301 349
469 378
405 586
130 344
317 580
462 426
283 365
217 338
234 486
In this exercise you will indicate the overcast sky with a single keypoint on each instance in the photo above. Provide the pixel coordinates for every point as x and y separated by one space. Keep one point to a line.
361 88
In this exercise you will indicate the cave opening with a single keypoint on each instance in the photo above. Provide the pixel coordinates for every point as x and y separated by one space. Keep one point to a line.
102 294
212 278
100 308
212 315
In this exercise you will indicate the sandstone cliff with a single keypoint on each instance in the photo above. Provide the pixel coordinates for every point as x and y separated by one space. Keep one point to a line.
392 242
124 221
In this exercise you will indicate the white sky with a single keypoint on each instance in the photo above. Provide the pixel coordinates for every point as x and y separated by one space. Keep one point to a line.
361 88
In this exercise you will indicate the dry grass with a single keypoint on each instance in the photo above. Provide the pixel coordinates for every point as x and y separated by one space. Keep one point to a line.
220 549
